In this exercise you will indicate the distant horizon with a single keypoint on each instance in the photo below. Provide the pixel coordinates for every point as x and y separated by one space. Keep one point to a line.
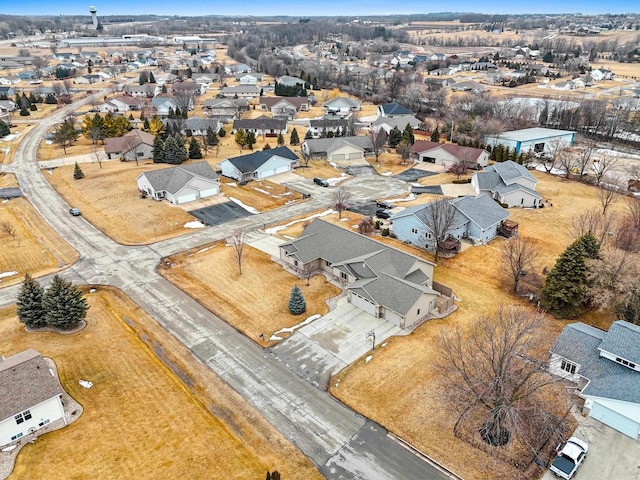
252 8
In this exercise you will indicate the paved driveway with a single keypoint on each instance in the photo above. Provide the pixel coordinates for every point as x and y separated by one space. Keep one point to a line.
220 213
327 345
413 174
612 455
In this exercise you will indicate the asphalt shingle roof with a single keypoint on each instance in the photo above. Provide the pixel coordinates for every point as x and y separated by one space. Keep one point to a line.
251 162
623 340
394 108
260 123
323 145
25 381
339 102
127 142
482 210
172 179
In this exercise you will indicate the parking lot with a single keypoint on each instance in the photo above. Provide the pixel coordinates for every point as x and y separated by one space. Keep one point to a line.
220 213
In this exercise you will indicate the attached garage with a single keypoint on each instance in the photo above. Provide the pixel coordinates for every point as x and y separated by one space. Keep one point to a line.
338 156
615 420
362 303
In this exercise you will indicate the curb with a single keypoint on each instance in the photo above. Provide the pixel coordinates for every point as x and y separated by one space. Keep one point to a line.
424 456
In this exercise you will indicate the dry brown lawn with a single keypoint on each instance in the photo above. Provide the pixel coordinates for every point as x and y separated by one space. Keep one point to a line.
154 411
108 197
51 151
20 128
255 302
400 388
261 194
8 180
320 168
389 162
34 247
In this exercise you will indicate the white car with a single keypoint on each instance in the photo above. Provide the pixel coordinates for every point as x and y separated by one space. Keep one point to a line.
569 457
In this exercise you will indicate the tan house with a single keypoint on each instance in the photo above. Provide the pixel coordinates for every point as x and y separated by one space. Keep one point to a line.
135 145
449 154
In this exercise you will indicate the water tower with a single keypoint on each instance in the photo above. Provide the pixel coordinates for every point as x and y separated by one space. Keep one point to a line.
94 17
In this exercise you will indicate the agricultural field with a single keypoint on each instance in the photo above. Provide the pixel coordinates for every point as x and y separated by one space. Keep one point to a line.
187 423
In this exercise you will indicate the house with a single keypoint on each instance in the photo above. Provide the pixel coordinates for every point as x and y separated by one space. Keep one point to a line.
508 182
162 106
564 85
249 78
263 125
260 164
289 81
7 106
135 145
477 218
438 57
181 184
342 106
382 281
389 123
6 92
606 368
467 86
237 68
226 107
31 396
393 109
89 79
286 107
9 80
322 126
338 149
449 154
196 126
145 90
534 140
240 91
123 104
190 89
601 74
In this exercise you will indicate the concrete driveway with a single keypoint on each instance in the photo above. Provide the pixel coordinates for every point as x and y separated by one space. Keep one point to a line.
611 455
220 213
324 347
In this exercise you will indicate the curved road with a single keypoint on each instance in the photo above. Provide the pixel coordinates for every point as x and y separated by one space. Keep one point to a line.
343 444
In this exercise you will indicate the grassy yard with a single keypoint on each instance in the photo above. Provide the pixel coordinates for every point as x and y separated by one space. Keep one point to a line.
34 247
140 420
255 302
320 168
261 194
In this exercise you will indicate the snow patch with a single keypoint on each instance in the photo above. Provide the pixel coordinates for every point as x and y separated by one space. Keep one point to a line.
232 184
334 180
8 274
386 174
288 237
261 191
295 327
411 196
246 207
202 250
85 383
384 344
194 224
274 230
344 220
368 359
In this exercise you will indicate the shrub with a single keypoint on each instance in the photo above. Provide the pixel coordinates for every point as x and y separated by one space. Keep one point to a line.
385 232
459 181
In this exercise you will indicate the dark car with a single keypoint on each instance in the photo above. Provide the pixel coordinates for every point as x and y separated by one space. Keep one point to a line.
384 205
382 213
75 212
320 181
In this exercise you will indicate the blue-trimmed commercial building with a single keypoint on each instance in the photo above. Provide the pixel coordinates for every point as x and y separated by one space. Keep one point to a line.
534 140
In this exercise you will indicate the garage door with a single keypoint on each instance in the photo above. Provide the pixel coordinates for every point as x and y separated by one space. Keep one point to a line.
338 156
615 420
266 173
190 197
355 155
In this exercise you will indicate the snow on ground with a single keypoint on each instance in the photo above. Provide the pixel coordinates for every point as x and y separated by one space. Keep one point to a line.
617 154
194 224
387 174
368 359
246 207
294 328
202 250
335 180
85 383
411 196
261 191
554 171
288 237
232 184
274 230
8 274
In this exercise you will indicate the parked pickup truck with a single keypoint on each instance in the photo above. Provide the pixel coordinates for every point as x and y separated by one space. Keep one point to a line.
569 457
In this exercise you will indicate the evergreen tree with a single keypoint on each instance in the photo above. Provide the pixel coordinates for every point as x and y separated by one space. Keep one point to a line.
395 135
24 111
241 138
4 129
266 147
294 140
145 125
297 305
591 246
435 135
275 475
152 79
212 138
158 150
194 149
308 135
174 150
407 135
222 132
77 172
498 153
251 139
64 304
30 309
280 140
565 289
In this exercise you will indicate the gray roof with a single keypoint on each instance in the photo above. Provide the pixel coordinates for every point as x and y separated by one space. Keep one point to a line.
25 381
253 161
623 340
510 171
533 134
482 210
383 274
10 192
340 101
502 178
328 122
323 145
260 123
226 102
252 89
194 123
421 212
580 344
172 179
394 108
399 121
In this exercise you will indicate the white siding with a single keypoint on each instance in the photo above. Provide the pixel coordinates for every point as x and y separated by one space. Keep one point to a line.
273 166
621 416
229 170
362 303
47 411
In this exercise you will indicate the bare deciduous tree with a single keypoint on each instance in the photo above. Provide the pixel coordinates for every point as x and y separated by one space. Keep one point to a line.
366 226
58 89
592 222
8 228
341 198
237 242
404 150
494 368
518 255
604 165
378 139
608 194
439 217
583 159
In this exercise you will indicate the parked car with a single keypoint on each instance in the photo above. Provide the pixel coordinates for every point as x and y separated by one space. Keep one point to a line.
382 213
320 181
75 212
569 457
384 205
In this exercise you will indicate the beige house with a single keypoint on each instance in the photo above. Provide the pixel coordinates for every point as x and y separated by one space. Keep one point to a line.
339 149
135 145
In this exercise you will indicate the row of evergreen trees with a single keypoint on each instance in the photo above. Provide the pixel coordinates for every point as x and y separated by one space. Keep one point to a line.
396 136
60 306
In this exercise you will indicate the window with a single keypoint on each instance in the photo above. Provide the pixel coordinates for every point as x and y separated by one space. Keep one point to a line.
428 235
295 262
327 263
418 312
343 275
16 436
414 230
626 363
21 417
568 366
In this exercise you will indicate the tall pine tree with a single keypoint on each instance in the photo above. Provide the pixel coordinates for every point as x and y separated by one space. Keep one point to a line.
297 305
194 149
30 303
395 135
64 304
294 140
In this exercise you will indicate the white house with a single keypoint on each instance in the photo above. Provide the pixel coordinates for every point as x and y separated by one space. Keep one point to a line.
342 106
601 74
534 140
400 121
260 164
339 149
606 368
181 184
240 91
449 154
508 182
31 396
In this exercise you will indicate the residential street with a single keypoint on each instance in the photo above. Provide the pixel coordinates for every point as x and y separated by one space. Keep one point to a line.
340 442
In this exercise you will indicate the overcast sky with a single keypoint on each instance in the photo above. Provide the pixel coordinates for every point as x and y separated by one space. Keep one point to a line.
298 8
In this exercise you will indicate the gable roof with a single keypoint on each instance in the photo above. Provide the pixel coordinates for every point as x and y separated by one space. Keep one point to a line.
295 101
510 171
261 123
253 161
422 213
394 108
328 122
580 344
458 151
383 274
226 103
194 123
127 142
341 101
623 340
481 210
252 89
288 80
323 145
172 179
25 381
536 133
399 121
